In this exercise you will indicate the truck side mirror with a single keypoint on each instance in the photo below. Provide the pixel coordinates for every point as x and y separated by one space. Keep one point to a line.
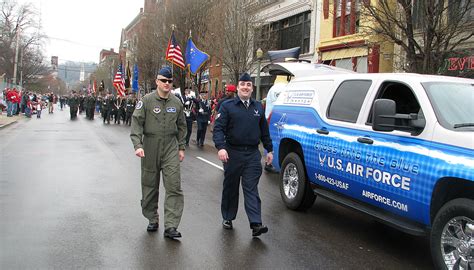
383 115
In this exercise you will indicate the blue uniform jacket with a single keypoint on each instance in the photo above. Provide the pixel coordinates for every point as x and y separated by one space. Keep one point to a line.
206 114
238 126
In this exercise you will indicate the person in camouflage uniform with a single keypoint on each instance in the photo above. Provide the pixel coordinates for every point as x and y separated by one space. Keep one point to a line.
90 107
130 107
73 105
158 135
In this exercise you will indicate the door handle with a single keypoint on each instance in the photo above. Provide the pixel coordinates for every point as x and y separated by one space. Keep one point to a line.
322 131
365 140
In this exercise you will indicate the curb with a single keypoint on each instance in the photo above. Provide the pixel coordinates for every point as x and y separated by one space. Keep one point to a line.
7 124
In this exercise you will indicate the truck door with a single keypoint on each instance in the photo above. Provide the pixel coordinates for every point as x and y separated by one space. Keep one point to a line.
393 162
338 164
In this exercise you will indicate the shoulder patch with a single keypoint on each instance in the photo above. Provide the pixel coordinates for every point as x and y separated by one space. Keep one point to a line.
139 105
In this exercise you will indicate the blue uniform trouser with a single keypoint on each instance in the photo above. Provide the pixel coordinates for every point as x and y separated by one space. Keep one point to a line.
189 126
245 166
201 132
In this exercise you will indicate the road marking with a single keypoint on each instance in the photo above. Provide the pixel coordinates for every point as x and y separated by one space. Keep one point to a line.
210 163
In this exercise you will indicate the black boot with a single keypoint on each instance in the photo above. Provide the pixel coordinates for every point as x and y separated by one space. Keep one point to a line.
152 227
172 233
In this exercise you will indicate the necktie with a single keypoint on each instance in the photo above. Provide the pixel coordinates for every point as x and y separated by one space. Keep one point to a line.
246 103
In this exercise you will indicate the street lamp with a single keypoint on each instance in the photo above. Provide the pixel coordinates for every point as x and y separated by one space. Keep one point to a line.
259 60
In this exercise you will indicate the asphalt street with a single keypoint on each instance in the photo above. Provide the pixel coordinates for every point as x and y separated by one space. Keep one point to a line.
70 198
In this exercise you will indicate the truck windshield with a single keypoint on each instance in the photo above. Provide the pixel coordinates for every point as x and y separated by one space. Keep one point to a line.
453 104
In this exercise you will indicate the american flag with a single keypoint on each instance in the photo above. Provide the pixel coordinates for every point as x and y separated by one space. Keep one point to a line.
119 84
173 52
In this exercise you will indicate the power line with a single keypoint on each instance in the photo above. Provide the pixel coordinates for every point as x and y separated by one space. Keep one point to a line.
75 42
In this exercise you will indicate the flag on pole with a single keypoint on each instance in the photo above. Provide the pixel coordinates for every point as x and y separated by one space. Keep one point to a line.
94 87
118 82
194 57
135 79
173 52
127 76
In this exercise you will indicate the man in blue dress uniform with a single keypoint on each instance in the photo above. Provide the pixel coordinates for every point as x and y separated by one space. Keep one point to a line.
239 128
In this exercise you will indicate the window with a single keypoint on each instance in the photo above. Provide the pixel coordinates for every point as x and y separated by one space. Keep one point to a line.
452 103
418 14
460 10
290 32
347 101
346 17
406 102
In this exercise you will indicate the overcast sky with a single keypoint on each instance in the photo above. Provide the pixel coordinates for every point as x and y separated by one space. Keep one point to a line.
80 29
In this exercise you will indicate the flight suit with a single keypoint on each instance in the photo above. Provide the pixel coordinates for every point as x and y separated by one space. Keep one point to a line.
159 127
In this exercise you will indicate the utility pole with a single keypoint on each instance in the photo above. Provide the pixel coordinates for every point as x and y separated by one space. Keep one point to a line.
21 70
15 66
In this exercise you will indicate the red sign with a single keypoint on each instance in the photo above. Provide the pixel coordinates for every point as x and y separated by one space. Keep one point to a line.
461 63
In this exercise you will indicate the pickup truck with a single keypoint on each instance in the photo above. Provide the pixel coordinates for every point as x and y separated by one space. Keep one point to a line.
399 147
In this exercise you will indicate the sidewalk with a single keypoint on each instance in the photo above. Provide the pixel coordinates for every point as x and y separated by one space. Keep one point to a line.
5 121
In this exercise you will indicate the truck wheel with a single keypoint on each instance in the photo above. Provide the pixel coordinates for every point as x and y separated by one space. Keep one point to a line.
294 187
452 235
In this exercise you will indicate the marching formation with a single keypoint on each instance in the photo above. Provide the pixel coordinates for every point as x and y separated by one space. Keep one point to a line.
161 127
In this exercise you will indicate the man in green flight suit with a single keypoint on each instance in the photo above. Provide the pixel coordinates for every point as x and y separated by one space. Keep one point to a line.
158 133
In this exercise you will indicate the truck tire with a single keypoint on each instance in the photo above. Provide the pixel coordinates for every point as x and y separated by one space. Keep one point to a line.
295 189
452 235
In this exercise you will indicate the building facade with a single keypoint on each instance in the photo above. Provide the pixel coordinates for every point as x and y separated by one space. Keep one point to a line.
344 44
283 25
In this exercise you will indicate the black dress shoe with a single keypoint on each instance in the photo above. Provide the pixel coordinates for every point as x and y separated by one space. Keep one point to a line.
258 229
152 227
227 224
172 233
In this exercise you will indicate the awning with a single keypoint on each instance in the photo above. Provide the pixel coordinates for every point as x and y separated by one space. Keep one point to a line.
344 53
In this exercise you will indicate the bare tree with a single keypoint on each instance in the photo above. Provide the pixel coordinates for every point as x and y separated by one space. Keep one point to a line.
150 50
20 21
427 31
105 72
190 15
239 26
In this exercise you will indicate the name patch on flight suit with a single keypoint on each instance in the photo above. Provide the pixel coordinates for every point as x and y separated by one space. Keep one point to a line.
139 105
157 109
171 109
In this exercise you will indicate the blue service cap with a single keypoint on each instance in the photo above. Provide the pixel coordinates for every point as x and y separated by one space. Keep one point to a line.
245 77
165 72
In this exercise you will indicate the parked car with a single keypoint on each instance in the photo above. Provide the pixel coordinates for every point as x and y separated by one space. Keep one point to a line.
398 147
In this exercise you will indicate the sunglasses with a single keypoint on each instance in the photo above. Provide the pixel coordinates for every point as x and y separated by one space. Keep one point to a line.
165 81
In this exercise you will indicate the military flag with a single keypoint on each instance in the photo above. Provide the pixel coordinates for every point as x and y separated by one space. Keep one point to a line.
173 52
194 57
127 76
135 79
119 83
